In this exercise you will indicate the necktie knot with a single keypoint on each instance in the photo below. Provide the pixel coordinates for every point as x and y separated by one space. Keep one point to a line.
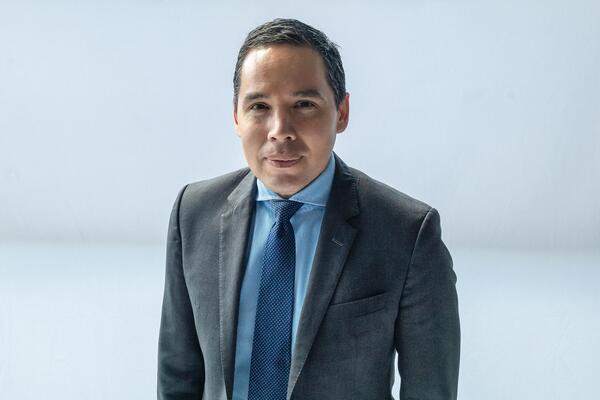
284 209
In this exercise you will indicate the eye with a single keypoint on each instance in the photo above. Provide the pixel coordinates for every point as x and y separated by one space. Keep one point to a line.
258 107
305 104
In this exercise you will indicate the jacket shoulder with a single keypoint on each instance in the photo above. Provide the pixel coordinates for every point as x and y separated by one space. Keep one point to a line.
220 184
210 194
376 195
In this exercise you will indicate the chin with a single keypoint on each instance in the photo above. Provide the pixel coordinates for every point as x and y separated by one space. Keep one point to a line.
284 186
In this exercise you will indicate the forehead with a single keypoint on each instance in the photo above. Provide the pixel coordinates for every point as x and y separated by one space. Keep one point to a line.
282 65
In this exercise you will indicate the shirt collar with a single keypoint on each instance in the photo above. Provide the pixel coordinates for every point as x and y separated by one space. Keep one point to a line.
316 193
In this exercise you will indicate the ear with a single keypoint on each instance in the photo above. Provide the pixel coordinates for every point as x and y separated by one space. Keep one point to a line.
343 114
236 125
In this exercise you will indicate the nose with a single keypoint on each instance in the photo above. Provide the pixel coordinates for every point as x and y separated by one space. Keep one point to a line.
282 128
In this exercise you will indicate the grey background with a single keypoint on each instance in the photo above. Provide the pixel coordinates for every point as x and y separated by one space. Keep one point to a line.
487 110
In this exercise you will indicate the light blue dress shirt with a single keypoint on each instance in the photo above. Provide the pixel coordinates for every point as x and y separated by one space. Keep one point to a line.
307 225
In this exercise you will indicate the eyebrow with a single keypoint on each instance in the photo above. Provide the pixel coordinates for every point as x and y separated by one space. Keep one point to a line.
300 93
308 93
254 96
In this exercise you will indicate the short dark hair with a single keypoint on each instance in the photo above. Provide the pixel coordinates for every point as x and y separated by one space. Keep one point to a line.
294 32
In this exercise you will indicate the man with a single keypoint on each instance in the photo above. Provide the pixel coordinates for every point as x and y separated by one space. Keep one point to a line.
300 277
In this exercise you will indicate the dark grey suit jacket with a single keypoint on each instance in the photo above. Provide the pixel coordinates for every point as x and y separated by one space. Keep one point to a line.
382 281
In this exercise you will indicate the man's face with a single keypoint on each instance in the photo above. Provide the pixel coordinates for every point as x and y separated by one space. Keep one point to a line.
286 116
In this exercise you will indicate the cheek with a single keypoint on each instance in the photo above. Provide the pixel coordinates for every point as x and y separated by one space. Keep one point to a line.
252 142
323 126
319 136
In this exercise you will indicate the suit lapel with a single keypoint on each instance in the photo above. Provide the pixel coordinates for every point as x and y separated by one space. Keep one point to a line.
335 239
233 242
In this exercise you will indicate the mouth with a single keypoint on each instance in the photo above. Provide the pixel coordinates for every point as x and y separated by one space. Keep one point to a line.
283 162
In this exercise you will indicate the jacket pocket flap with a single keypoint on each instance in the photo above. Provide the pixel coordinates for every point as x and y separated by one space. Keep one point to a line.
356 308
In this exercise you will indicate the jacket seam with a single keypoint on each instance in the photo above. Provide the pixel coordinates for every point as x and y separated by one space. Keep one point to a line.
412 255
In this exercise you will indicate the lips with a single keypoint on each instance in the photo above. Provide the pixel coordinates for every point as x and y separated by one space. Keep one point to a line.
283 162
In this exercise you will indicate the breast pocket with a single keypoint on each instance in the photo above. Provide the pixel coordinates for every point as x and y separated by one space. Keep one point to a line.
361 315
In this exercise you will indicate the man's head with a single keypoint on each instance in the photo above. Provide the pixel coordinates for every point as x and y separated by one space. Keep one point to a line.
290 102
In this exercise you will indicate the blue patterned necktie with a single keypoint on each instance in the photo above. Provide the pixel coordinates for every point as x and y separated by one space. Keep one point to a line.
272 345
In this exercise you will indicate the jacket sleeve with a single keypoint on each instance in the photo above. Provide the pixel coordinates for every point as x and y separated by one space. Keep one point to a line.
428 328
180 360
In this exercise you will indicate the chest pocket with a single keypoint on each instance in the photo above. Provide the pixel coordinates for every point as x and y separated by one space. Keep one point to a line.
360 316
357 308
